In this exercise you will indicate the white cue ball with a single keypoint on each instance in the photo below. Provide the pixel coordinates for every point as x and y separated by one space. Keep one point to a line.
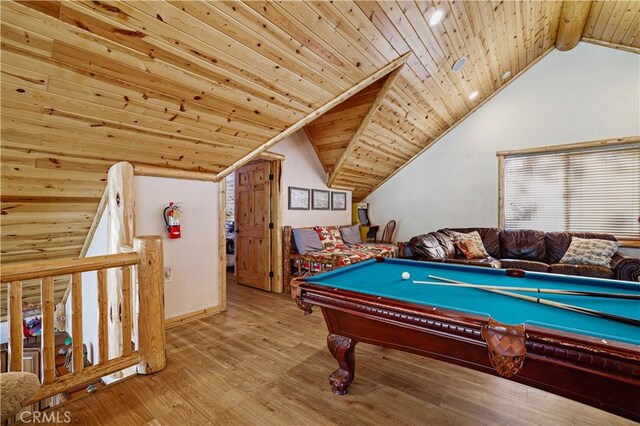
406 275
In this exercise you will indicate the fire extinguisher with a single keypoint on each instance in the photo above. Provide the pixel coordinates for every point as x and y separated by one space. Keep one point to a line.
171 216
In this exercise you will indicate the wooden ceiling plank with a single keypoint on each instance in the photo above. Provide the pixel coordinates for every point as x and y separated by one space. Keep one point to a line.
449 35
506 36
619 19
171 81
299 32
469 23
592 19
34 22
12 218
633 32
109 134
494 22
266 29
122 117
197 127
29 172
422 87
327 33
317 113
362 24
606 11
228 19
403 24
170 41
92 150
38 255
572 23
36 44
172 105
455 29
629 22
351 29
12 155
373 109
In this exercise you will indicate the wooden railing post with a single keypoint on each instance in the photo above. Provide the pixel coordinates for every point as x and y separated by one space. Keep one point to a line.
14 299
151 333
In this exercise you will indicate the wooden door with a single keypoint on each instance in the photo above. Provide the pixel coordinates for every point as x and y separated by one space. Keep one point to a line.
253 215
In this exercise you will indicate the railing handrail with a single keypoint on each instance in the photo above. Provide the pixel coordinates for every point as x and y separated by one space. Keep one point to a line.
149 355
55 267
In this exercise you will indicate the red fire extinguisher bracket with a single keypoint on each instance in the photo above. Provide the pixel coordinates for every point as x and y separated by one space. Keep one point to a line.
171 215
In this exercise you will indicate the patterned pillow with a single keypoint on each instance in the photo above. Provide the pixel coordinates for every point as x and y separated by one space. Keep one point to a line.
475 238
330 236
589 251
470 249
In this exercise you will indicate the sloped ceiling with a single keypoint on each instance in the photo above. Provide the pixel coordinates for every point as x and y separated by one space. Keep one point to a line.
202 86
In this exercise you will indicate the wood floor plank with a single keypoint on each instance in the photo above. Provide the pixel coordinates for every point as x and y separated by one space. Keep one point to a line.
262 362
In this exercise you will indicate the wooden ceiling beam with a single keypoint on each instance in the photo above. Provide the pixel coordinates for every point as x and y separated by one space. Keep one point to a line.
572 22
375 105
317 113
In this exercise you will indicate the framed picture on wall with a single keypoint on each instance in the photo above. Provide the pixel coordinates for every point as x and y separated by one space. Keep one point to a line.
338 200
319 199
298 198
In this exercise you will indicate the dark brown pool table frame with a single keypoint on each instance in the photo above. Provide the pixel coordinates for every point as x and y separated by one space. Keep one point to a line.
579 367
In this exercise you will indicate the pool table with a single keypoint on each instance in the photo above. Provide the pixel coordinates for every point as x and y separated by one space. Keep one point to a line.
585 358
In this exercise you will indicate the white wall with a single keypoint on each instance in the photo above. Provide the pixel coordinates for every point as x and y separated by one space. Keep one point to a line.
192 258
588 93
302 168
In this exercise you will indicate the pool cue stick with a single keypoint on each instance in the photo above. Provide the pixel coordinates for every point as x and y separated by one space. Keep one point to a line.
559 305
540 290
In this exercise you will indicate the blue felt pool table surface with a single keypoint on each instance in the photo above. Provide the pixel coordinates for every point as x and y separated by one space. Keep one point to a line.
384 279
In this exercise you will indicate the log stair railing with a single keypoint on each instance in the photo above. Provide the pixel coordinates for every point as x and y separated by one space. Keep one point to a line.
150 355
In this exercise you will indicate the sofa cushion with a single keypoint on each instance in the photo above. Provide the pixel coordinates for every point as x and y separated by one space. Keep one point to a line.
427 246
469 245
586 251
525 244
351 234
472 248
306 240
581 270
330 236
527 265
490 238
558 242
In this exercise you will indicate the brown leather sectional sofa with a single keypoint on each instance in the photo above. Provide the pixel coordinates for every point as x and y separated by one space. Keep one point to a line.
523 249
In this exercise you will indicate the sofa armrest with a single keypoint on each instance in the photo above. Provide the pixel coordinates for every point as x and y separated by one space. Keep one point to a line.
404 251
625 268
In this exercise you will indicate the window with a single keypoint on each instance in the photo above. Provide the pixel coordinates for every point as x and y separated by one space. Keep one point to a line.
593 189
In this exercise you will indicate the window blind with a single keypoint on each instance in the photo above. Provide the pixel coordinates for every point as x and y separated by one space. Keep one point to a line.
590 190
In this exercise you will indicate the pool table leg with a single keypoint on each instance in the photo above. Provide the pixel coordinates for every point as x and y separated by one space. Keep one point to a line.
343 350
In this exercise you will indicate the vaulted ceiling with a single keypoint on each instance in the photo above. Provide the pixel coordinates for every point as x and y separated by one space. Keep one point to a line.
205 86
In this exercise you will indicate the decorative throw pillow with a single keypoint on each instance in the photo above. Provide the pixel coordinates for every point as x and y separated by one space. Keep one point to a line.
306 240
330 236
470 249
475 238
588 251
351 234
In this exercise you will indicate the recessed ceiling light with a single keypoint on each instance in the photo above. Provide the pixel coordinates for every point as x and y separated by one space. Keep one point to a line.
459 64
473 95
506 75
436 17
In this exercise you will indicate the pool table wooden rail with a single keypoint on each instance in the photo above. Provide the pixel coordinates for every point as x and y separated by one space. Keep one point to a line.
583 368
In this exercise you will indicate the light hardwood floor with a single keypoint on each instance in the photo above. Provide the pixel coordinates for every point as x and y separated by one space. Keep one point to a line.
263 362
